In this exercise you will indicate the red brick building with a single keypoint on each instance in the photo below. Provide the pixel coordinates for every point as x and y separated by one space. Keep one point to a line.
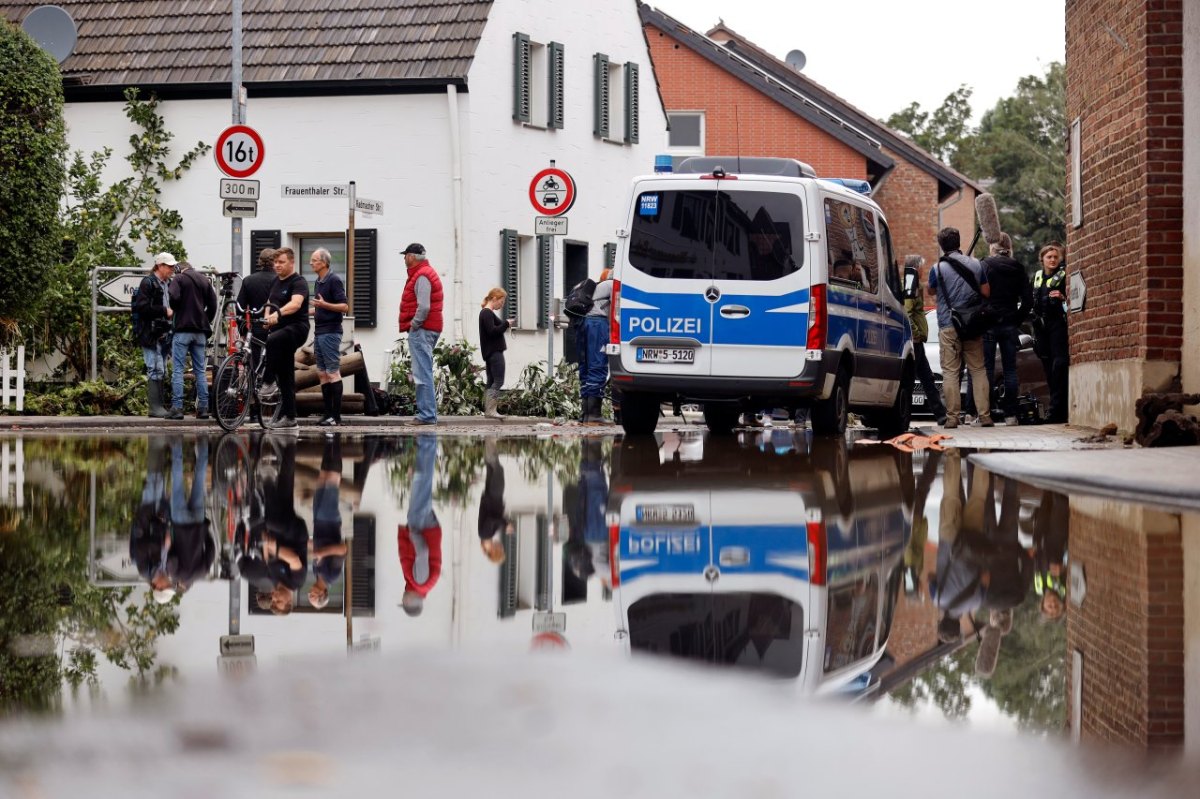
726 96
1133 180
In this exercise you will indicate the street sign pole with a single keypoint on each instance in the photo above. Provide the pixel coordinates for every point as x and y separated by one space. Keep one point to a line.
239 118
350 252
550 327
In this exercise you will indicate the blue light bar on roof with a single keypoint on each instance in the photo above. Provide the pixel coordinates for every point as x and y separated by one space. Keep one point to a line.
860 186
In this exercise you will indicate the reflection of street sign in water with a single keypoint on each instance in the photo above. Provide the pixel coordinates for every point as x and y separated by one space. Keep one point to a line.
549 622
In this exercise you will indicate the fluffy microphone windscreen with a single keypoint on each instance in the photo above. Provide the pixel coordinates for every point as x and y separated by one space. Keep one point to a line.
989 217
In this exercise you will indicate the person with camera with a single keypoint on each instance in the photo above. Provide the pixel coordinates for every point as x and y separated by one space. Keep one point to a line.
152 330
961 287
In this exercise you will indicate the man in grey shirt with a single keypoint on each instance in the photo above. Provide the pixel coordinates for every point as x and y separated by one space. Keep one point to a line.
421 318
593 363
952 289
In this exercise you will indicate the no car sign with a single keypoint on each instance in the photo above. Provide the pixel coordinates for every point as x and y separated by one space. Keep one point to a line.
239 151
552 192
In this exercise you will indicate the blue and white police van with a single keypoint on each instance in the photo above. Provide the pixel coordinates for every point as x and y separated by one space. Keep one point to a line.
786 564
744 284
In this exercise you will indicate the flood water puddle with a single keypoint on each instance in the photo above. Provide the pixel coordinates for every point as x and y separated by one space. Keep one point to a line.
916 584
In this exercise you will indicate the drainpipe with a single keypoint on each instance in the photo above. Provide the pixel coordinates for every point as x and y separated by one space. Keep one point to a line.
456 195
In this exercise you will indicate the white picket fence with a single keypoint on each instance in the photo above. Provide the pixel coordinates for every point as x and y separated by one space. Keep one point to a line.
13 377
12 473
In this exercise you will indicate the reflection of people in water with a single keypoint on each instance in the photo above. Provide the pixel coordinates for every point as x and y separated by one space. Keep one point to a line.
493 525
275 562
980 566
328 548
420 541
587 537
150 532
914 552
1050 525
192 549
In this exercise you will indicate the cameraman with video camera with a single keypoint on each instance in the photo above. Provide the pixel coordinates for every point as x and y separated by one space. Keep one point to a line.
152 330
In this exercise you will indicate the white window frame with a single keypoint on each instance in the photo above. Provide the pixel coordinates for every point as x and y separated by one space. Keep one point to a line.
692 149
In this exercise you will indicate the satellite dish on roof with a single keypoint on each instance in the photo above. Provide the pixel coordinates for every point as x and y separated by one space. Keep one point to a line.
53 29
796 60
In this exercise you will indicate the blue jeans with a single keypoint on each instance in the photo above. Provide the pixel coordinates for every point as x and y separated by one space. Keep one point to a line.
188 508
1009 341
420 347
156 364
420 497
593 363
185 344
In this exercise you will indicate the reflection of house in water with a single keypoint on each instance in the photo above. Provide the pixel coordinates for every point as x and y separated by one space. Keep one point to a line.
1129 638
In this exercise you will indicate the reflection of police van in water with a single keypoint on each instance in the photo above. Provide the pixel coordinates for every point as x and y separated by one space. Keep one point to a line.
766 288
787 563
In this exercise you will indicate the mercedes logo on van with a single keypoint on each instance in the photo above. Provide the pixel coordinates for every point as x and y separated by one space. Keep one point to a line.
712 294
712 573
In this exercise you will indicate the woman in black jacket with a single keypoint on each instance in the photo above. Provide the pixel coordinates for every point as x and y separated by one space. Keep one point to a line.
492 345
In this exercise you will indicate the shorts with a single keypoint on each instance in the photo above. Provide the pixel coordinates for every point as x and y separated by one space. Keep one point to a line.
325 348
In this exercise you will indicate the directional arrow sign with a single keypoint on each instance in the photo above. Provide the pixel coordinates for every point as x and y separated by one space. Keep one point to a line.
240 209
120 289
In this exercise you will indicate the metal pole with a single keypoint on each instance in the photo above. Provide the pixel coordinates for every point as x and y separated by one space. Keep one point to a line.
239 118
235 605
95 299
348 596
350 250
550 327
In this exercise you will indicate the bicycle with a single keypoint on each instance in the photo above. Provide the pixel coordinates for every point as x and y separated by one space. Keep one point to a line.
238 492
237 383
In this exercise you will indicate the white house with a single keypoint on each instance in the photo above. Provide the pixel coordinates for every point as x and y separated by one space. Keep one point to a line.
442 111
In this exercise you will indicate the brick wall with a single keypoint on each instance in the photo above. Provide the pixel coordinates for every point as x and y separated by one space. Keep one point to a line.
907 197
1125 83
1130 626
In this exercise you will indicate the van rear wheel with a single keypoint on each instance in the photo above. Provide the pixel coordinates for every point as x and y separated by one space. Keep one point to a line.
829 416
720 419
639 413
895 420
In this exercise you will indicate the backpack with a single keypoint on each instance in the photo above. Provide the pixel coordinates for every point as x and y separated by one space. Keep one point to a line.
579 299
136 323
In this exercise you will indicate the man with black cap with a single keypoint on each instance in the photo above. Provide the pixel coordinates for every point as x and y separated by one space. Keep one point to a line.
421 318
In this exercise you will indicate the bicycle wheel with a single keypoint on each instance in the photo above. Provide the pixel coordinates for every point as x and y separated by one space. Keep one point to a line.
268 410
231 391
231 485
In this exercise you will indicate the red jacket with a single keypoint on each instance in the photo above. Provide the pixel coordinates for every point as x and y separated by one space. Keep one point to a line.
408 300
408 557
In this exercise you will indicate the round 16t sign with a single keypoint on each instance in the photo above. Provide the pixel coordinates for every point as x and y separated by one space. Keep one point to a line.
239 151
552 192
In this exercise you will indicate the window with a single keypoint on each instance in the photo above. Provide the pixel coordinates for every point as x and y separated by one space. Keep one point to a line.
1076 176
686 136
538 82
741 235
362 291
616 100
853 250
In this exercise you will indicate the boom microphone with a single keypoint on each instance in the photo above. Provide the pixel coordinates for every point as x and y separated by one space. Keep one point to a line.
989 217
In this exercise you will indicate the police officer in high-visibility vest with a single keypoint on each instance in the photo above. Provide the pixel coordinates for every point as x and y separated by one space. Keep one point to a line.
1050 327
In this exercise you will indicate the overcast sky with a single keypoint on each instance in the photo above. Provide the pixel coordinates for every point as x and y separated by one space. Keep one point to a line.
881 55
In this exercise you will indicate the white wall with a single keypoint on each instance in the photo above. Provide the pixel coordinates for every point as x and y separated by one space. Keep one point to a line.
503 155
397 148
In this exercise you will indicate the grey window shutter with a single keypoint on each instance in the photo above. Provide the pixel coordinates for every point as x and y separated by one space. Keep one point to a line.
545 257
259 241
521 68
509 277
600 126
631 103
555 89
366 267
610 255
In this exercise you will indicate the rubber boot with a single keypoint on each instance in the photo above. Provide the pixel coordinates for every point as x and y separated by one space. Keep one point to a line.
154 396
490 398
592 413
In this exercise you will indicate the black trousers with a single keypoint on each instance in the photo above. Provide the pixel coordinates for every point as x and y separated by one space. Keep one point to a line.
281 356
1053 347
494 364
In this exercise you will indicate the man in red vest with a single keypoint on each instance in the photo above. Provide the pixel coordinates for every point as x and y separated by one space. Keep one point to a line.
421 318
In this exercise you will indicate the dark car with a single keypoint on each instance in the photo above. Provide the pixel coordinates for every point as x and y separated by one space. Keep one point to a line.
1030 375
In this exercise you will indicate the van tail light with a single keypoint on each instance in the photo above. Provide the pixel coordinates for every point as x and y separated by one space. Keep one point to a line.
818 319
817 553
614 314
614 554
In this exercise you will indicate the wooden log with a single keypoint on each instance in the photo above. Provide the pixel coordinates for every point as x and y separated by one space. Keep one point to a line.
1150 407
351 364
314 403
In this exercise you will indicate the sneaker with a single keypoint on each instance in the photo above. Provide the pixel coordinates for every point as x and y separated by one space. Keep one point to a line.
269 392
329 421
950 423
985 421
283 423
415 422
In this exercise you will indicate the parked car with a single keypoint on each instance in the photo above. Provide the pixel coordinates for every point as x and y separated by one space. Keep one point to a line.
1030 374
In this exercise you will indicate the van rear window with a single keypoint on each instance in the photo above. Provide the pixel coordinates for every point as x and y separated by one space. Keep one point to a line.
710 235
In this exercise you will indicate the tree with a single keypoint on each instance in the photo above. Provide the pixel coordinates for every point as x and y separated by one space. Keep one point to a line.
1019 148
941 132
112 226
32 153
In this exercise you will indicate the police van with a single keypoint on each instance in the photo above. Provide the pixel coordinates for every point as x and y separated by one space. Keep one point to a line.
744 284
784 562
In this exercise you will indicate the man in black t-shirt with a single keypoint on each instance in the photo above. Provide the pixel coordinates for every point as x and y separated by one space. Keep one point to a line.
288 326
